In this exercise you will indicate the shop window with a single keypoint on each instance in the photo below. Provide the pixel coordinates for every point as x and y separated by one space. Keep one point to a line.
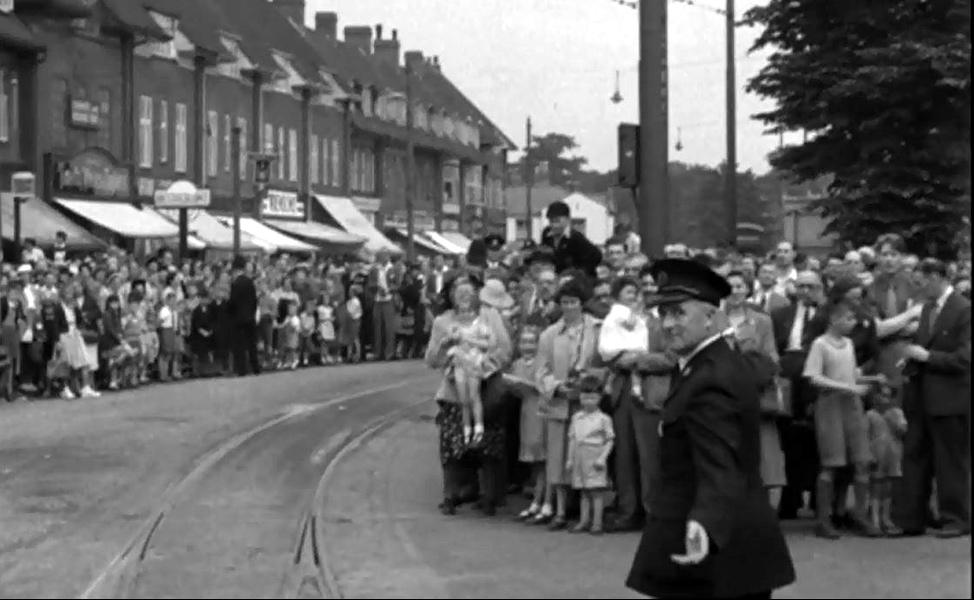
212 143
145 132
163 131
181 151
313 160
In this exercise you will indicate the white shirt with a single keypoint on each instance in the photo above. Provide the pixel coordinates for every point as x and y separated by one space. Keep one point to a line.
167 318
683 361
617 337
783 280
942 300
798 327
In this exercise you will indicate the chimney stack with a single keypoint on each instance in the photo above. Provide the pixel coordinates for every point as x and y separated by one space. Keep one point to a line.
359 36
386 50
414 60
326 24
436 63
292 9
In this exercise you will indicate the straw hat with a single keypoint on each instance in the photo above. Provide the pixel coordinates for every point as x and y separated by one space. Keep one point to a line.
494 294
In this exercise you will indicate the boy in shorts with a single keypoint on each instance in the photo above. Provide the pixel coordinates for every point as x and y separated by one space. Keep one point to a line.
840 423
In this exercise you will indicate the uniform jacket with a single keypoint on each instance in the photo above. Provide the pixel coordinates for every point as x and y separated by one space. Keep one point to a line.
709 471
942 386
573 251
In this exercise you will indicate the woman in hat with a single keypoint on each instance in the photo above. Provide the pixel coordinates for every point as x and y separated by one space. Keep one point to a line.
565 350
456 452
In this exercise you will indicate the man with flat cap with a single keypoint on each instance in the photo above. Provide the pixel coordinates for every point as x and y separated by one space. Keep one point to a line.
711 532
572 249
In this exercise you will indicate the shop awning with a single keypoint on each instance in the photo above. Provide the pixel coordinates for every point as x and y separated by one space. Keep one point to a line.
123 218
218 236
425 244
318 233
269 238
445 243
458 239
344 212
41 221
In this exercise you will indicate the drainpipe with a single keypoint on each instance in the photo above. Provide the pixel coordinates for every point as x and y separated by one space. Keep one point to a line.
305 141
257 128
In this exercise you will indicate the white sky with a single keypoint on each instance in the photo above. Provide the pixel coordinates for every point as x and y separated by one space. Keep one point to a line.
555 60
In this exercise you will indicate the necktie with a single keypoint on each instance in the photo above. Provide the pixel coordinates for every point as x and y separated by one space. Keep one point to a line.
934 313
891 303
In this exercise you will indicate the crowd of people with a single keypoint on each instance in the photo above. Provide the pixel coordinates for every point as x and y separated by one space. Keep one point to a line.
861 360
80 325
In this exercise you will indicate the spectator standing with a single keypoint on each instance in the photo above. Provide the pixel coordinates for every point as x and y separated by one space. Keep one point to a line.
572 250
242 305
384 321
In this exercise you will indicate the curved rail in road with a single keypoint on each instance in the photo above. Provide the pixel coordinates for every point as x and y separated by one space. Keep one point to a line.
201 516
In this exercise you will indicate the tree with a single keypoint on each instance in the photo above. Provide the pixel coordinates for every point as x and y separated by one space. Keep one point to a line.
883 90
555 150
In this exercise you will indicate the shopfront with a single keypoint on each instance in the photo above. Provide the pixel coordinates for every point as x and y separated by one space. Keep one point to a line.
287 213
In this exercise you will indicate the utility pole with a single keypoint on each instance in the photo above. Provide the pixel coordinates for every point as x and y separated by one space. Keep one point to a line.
653 205
730 175
528 181
237 175
410 165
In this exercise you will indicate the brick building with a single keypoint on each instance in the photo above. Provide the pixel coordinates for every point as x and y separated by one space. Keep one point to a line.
114 100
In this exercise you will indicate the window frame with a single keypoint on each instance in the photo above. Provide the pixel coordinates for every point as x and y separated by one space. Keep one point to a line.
146 105
313 161
292 154
181 141
163 131
212 143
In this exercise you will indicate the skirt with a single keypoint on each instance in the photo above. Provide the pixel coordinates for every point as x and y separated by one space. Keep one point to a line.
91 354
556 444
772 456
167 341
532 440
453 447
73 349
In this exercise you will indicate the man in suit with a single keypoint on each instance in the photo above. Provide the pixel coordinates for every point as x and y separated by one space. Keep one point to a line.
572 249
794 327
766 297
711 532
937 407
242 307
385 322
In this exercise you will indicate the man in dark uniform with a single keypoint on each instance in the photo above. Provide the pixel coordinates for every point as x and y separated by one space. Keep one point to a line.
572 249
711 532
242 307
477 252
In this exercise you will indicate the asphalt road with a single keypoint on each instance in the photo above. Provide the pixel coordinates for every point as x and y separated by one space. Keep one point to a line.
186 490
321 483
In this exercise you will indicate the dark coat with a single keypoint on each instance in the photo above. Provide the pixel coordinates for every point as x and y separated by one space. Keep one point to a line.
941 387
242 304
709 471
203 317
573 251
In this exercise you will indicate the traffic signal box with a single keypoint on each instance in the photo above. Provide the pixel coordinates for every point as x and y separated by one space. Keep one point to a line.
628 155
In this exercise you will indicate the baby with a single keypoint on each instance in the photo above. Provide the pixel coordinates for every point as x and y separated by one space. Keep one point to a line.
623 329
469 364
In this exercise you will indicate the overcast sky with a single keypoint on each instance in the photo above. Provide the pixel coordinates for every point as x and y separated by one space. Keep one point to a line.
555 60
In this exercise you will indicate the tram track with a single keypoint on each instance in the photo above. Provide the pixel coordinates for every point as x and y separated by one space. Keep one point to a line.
172 545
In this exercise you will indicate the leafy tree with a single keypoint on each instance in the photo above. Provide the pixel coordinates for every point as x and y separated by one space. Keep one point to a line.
555 151
884 91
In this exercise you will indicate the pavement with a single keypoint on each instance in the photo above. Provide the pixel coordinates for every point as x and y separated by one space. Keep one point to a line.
385 538
207 482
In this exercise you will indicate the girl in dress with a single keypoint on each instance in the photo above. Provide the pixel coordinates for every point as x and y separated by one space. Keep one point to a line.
291 335
310 345
887 427
468 365
350 324
112 343
326 328
532 442
168 328
590 441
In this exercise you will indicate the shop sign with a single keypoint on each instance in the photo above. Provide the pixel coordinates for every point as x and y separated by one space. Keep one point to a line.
279 203
421 220
85 113
147 187
451 208
182 194
22 184
93 172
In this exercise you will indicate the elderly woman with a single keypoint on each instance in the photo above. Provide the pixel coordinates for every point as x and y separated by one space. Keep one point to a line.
457 455
754 334
565 350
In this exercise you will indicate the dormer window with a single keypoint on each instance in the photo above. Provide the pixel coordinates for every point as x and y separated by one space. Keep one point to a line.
290 78
167 48
449 127
240 62
421 117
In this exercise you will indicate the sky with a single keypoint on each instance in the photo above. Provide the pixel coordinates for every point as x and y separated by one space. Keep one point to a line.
556 61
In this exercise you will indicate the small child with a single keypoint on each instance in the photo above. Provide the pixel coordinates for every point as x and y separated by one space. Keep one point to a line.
887 426
468 367
532 449
623 329
590 441
132 329
290 329
168 330
267 306
350 324
310 347
840 424
112 342
326 329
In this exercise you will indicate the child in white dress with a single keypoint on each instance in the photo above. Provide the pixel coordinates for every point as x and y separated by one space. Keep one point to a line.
468 367
624 329
590 441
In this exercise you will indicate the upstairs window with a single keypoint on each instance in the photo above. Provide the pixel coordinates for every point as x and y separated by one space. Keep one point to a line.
181 150
4 109
292 154
164 48
313 160
212 143
368 102
242 124
281 153
227 153
163 131
145 132
336 170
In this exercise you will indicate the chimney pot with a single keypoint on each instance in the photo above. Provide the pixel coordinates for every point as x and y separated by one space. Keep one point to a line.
378 31
360 37
395 34
326 24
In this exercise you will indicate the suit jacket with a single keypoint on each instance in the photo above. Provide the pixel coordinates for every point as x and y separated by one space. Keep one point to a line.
942 386
573 251
242 305
709 471
769 301
782 320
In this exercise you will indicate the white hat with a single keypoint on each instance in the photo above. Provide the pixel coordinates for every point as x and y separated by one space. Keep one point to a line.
494 294
25 268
